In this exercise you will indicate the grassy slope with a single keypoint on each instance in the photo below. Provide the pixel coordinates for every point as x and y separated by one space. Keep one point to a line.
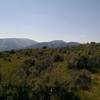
59 73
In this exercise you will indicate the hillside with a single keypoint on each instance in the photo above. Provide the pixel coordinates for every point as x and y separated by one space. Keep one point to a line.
15 43
21 43
67 73
54 44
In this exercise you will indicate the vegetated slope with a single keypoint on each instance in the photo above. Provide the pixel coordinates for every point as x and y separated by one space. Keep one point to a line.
54 44
68 73
15 43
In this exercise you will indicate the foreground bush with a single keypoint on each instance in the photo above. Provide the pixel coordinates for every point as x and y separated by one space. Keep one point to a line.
85 62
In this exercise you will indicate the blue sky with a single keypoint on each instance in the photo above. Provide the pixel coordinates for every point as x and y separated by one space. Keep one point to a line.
45 20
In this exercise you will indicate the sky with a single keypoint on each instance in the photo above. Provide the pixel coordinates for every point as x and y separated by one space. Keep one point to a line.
46 20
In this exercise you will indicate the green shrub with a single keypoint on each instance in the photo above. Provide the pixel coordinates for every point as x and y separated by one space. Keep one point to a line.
85 62
58 58
84 80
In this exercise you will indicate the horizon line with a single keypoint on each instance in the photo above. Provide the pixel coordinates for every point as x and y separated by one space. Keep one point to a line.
48 40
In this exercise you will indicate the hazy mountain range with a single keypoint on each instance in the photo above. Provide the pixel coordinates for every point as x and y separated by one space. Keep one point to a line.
21 43
15 43
53 44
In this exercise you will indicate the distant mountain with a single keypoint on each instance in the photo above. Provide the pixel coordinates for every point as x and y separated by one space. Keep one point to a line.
20 43
15 43
53 44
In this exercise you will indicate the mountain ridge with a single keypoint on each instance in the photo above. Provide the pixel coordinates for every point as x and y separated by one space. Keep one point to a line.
54 43
7 44
15 43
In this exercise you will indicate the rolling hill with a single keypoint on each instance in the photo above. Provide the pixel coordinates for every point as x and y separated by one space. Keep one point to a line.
15 43
20 43
54 44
